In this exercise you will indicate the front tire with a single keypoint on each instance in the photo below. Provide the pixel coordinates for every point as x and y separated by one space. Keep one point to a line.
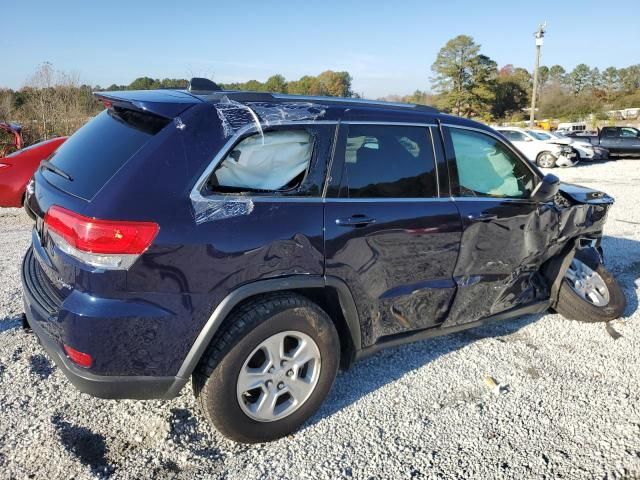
590 295
546 160
268 369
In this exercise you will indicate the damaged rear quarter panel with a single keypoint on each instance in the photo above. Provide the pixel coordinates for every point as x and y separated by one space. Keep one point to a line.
226 241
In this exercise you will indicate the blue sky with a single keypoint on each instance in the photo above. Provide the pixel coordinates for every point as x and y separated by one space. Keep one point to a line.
388 47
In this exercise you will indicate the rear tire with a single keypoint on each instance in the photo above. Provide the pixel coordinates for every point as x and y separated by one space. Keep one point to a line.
242 350
580 306
546 160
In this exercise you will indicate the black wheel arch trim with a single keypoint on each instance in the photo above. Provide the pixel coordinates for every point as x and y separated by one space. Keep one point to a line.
246 291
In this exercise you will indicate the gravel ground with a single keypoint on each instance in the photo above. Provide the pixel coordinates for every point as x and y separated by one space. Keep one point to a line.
566 404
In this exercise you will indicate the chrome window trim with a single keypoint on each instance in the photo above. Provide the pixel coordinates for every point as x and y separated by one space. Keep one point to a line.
388 200
400 124
499 199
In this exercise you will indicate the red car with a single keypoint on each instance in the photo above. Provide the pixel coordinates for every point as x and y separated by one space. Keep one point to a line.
17 168
10 138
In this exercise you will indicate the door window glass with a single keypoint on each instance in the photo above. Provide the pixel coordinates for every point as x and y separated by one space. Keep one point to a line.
628 132
389 161
486 167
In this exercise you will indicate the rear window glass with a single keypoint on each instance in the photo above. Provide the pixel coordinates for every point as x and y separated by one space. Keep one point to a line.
95 152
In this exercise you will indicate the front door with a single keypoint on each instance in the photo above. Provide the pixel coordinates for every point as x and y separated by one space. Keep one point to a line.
505 235
387 231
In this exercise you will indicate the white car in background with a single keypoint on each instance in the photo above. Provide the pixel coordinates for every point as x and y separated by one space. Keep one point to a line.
586 150
541 152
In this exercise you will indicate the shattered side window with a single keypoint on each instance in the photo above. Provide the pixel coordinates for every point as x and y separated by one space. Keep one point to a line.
487 168
269 161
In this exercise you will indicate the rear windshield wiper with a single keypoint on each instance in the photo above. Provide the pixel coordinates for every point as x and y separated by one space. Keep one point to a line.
47 165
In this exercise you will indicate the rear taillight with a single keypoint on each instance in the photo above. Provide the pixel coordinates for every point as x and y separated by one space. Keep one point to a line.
79 358
101 243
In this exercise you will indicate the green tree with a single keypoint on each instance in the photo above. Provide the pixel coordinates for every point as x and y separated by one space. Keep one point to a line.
543 76
335 84
610 82
307 85
510 97
630 78
464 77
276 84
143 83
595 80
557 74
579 78
178 83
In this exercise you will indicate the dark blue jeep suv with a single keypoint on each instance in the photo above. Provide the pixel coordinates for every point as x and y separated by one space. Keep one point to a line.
255 243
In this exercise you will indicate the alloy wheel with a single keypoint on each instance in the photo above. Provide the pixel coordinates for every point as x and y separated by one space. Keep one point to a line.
546 160
279 376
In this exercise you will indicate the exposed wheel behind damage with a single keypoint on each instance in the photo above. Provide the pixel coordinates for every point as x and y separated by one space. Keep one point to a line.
590 294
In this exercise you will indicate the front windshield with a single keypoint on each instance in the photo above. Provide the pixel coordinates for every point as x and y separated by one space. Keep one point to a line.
539 135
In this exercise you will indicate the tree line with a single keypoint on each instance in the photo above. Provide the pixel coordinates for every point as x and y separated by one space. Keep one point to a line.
465 82
330 83
54 102
470 84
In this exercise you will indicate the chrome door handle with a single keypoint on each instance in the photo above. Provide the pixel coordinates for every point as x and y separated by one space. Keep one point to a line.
483 217
357 220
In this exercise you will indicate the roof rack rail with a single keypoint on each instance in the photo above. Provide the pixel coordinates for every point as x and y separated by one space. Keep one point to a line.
248 96
244 96
355 101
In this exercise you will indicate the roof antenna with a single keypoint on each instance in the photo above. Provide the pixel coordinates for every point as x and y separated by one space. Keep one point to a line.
202 85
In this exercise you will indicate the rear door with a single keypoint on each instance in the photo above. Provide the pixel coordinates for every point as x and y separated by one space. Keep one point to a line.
505 235
388 232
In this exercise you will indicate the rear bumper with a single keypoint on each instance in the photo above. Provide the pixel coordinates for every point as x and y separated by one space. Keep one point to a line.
104 386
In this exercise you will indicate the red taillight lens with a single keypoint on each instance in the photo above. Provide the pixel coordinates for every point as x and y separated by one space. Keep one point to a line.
101 236
79 358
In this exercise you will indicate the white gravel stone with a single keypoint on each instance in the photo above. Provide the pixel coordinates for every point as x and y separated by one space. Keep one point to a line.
419 411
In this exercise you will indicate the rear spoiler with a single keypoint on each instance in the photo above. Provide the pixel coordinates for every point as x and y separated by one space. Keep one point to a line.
163 103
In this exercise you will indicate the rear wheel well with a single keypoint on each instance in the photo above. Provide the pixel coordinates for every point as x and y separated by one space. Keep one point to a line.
328 300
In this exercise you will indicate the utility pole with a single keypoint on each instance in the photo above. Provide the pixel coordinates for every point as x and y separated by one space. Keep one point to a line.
539 41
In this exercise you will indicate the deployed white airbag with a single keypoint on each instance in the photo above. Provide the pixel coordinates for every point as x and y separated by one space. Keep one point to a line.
266 162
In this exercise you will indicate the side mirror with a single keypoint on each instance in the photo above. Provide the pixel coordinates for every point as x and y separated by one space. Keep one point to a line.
528 139
546 189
